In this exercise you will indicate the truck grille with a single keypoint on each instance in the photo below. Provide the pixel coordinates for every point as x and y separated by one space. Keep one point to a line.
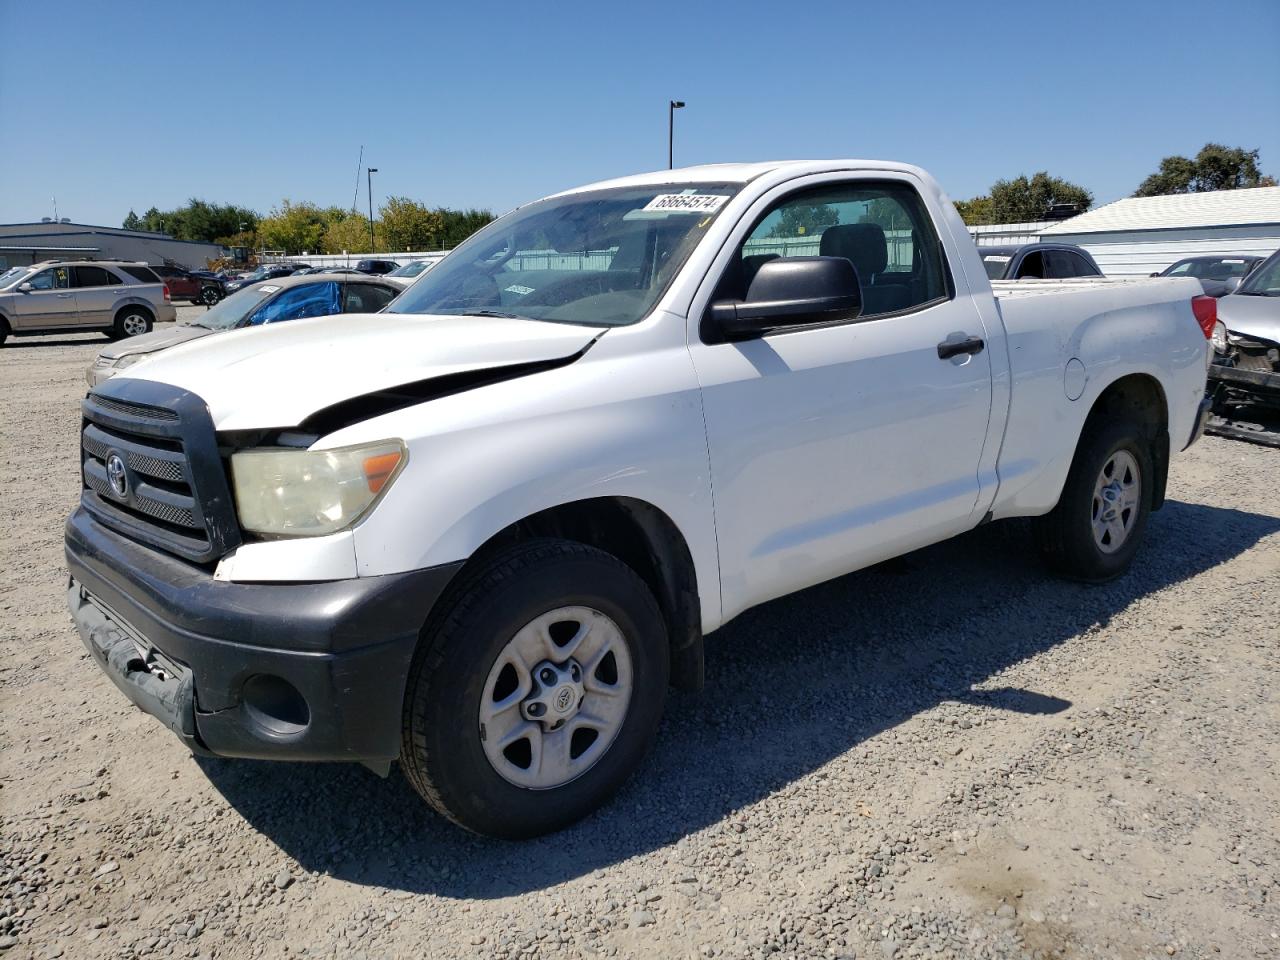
151 470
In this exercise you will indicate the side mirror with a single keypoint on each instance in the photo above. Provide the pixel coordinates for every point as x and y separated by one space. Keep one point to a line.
1230 285
791 291
1156 274
25 287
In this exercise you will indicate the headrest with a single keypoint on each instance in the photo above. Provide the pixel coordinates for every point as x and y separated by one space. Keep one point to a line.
861 243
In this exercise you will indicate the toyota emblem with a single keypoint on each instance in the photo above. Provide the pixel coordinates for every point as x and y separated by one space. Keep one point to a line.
116 476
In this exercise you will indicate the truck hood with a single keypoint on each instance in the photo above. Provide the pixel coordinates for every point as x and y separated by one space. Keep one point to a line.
156 340
1251 316
276 376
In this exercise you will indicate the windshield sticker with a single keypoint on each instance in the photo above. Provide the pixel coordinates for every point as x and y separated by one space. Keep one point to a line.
268 289
995 259
685 203
1233 261
517 288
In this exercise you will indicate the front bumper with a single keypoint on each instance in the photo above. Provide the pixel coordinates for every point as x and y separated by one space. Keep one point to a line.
299 671
1256 382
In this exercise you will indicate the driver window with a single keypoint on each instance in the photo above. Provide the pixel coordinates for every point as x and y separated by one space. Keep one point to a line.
882 227
55 278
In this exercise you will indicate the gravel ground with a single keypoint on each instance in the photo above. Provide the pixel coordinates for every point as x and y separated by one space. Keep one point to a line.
949 755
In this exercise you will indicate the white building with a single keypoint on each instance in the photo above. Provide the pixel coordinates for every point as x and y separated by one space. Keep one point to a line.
1142 235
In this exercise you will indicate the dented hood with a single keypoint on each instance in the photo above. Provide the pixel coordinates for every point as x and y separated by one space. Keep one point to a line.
276 376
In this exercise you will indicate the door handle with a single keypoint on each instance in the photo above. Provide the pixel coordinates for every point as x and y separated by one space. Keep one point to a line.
953 348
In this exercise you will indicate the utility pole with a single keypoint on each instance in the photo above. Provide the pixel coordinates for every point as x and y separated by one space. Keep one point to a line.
672 107
369 172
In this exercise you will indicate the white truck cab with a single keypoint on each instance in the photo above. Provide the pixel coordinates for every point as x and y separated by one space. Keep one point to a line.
482 531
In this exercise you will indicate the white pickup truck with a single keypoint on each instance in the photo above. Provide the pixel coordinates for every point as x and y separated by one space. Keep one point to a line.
482 531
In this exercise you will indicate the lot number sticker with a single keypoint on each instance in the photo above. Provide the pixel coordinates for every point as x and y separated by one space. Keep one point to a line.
685 203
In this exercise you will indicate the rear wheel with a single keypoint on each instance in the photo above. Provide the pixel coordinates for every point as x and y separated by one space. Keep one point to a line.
1098 524
4 331
131 321
209 296
537 691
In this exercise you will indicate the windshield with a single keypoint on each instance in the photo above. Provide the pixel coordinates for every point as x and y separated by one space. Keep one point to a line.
601 258
409 269
1264 281
229 312
12 276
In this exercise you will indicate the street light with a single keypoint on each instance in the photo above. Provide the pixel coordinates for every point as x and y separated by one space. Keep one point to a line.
369 172
673 106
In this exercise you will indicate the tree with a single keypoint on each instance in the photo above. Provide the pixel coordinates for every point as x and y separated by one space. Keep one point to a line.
805 220
460 224
1215 167
132 221
975 211
409 225
293 228
1024 200
349 234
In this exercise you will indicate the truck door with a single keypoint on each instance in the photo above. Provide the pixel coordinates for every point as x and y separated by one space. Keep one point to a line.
834 447
49 303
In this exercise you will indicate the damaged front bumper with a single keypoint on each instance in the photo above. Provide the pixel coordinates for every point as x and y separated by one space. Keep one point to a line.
297 671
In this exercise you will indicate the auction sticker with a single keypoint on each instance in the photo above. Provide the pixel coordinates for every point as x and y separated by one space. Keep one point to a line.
686 203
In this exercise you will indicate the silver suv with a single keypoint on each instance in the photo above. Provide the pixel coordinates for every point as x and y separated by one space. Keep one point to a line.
119 299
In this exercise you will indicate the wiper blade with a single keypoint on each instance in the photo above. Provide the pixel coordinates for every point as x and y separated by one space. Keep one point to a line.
495 313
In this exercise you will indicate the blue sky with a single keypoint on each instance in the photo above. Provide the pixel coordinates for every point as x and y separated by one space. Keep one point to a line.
122 105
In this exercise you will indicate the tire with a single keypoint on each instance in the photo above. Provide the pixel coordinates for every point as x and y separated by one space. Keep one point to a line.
1076 538
208 296
461 668
131 321
4 331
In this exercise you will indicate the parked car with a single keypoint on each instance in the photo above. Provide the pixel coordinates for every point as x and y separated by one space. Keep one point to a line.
1215 273
1040 261
414 268
289 298
476 532
1246 341
268 271
119 299
186 284
377 266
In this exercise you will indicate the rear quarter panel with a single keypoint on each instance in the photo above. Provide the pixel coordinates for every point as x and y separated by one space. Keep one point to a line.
1114 328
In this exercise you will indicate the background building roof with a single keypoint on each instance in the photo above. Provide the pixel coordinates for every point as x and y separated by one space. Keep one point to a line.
1219 208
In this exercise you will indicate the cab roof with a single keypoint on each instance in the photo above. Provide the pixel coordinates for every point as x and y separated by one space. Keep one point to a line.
742 172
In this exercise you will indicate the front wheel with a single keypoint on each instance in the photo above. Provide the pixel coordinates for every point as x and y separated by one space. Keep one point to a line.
537 691
1098 524
209 296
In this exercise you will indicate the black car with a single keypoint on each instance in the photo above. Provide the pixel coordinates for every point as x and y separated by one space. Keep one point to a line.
1039 261
377 266
1213 272
268 271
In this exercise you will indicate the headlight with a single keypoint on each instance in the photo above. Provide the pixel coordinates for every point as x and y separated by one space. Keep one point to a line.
1219 338
128 361
309 493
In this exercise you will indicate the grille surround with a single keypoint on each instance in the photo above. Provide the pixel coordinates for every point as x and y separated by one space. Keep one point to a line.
177 497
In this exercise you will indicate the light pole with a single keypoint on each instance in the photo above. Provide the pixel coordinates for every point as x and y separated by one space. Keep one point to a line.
672 107
369 172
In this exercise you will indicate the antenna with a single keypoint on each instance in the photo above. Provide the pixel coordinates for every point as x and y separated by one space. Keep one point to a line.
55 209
356 196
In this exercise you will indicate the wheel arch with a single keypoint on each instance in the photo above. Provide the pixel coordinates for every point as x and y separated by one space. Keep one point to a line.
647 540
1142 397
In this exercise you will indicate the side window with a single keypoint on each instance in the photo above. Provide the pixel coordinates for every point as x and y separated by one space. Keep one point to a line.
1032 266
308 300
55 278
1083 267
882 227
91 277
141 273
1182 270
1059 265
365 298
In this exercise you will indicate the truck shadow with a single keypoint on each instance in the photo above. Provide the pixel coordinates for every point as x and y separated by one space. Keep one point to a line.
790 686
